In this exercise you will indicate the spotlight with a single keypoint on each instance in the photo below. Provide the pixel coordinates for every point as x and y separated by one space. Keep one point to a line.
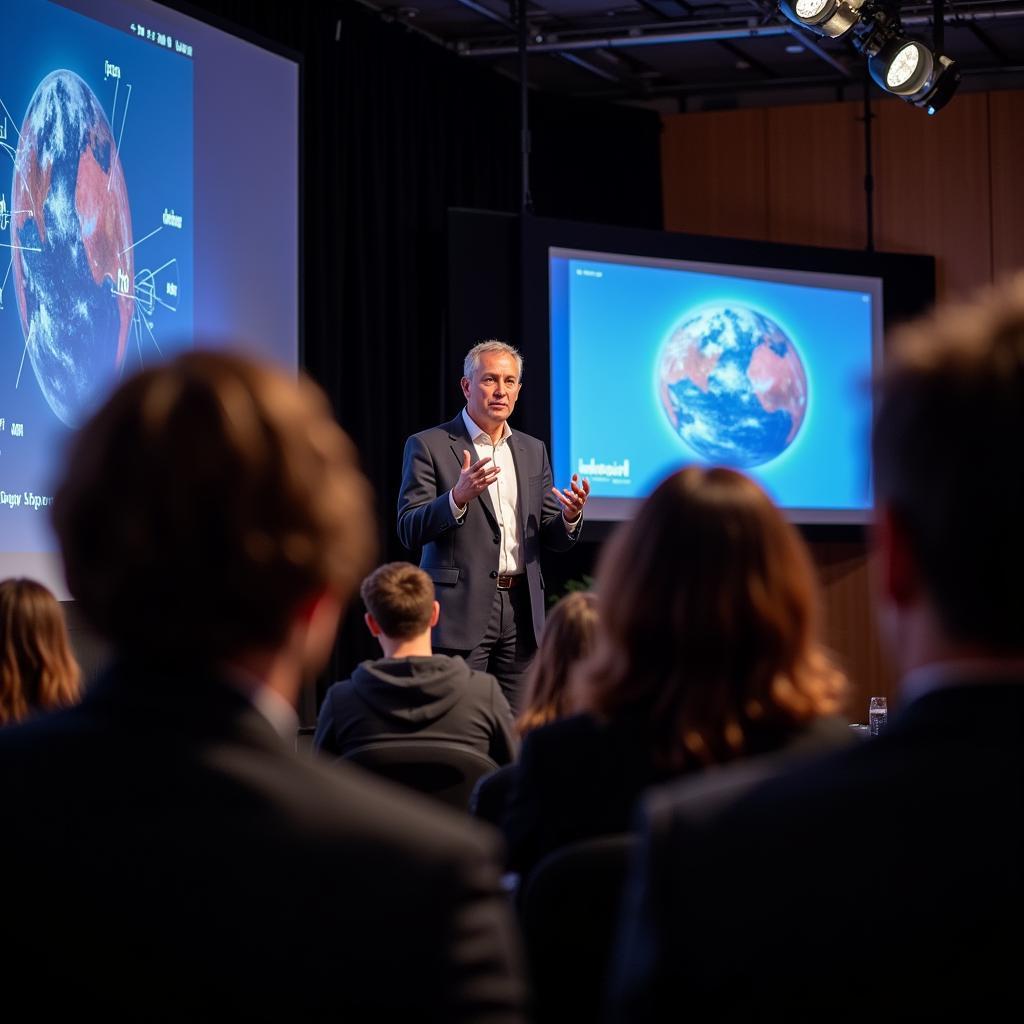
902 66
908 69
832 18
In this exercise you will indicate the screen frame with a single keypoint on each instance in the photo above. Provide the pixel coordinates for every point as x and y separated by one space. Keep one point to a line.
908 289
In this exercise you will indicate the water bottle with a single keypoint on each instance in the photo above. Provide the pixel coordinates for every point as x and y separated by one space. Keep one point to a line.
878 712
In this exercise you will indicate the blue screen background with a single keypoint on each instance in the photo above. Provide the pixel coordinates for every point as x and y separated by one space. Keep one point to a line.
606 336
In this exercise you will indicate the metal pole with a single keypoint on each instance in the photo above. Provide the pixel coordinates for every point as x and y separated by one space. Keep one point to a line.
869 178
526 200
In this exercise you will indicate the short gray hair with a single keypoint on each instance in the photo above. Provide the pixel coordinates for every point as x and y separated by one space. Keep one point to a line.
472 361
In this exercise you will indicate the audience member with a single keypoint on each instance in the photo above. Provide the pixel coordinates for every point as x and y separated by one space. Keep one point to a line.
567 638
38 672
888 877
707 651
171 856
412 693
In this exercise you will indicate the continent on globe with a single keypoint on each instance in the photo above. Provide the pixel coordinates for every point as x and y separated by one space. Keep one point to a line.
71 238
732 385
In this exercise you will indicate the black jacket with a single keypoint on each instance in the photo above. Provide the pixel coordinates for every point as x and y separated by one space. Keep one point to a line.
890 876
436 698
168 856
578 778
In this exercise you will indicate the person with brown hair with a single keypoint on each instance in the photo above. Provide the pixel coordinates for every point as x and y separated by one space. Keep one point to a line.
38 672
707 651
892 871
214 523
412 693
568 637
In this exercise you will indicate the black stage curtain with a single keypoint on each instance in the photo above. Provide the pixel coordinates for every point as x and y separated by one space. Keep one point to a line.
395 131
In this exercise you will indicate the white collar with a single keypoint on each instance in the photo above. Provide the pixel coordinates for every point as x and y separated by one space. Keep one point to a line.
475 430
268 702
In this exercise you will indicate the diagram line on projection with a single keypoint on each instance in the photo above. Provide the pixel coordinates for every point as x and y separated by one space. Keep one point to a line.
173 309
164 267
27 248
117 152
152 338
10 149
8 113
7 275
123 295
144 237
138 344
28 338
117 85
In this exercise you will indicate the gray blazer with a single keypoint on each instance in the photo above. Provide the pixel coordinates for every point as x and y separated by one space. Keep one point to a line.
462 558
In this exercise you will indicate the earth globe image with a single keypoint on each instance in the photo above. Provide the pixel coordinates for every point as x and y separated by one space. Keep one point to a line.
732 385
71 237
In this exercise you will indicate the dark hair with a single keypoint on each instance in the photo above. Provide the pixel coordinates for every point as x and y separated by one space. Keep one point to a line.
948 463
708 606
204 502
38 672
401 598
567 638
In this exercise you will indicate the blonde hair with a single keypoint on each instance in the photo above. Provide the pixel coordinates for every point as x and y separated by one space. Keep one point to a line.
38 672
568 637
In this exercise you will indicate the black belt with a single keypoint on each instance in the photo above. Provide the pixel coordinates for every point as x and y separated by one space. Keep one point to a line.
508 582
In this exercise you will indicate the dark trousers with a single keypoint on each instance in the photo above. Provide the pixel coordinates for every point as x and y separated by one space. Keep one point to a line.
508 645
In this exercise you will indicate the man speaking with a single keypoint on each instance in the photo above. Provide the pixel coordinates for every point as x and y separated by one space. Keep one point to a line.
478 499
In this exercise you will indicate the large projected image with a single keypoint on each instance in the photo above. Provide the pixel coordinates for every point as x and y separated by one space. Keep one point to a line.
96 227
659 363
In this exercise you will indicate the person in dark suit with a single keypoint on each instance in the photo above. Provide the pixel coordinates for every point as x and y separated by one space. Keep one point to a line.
478 499
889 877
412 693
706 651
168 854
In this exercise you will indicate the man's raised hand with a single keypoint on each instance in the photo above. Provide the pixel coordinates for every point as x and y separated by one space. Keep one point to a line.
474 479
573 498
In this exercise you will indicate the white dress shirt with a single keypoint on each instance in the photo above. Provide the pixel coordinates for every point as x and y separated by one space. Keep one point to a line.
504 492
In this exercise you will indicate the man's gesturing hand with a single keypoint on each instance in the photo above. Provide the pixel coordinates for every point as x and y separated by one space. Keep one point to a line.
474 479
573 498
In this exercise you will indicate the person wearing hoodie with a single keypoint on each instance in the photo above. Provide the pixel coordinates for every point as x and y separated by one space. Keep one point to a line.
412 692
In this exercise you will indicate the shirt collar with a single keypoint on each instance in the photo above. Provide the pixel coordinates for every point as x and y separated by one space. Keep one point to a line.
943 675
475 430
269 703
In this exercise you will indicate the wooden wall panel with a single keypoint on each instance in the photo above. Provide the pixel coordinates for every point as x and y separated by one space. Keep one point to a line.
932 188
816 175
713 173
850 629
1006 135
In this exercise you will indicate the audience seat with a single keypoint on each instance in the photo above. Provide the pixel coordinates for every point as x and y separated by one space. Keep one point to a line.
569 909
445 771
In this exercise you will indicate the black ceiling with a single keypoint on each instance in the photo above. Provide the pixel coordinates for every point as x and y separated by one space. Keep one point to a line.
700 53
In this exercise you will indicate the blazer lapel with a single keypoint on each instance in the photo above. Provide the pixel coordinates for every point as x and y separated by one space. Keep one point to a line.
462 441
522 481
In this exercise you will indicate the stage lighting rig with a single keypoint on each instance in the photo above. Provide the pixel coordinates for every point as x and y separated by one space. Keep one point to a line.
900 65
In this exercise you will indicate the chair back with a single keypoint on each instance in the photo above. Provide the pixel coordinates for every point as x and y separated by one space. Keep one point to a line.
490 795
569 909
445 771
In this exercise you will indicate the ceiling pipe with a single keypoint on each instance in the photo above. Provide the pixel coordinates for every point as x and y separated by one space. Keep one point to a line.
627 41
